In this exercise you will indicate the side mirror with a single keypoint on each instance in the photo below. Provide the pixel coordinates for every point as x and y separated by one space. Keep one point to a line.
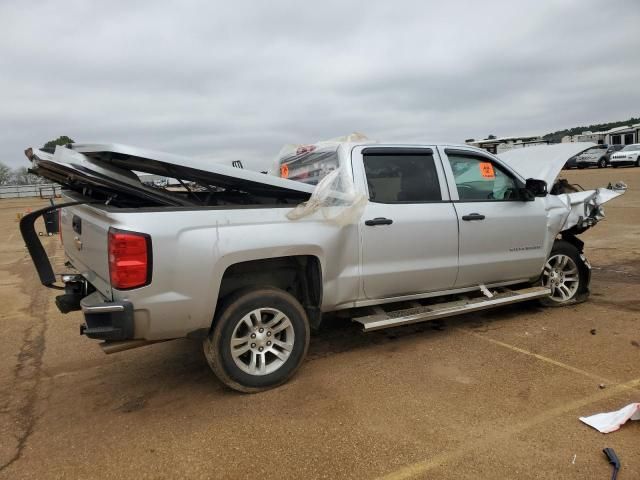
538 188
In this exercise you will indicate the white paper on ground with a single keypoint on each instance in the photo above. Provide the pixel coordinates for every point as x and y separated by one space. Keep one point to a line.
612 421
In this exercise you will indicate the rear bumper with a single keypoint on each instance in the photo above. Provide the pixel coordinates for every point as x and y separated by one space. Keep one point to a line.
105 320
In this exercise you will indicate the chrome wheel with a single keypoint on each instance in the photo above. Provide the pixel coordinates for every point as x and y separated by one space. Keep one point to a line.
262 341
561 275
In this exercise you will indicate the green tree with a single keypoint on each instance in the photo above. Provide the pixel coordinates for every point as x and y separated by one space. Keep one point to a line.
63 140
5 174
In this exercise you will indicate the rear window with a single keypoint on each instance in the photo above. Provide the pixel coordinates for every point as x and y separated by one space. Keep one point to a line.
309 164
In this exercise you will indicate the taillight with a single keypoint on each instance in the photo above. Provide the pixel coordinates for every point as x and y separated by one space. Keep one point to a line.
129 259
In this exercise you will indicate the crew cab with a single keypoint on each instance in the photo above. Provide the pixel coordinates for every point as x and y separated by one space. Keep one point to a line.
249 263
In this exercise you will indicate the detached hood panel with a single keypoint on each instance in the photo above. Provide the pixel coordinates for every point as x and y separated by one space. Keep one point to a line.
193 169
543 162
110 168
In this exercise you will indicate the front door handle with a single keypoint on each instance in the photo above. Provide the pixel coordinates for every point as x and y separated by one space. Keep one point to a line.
472 216
378 221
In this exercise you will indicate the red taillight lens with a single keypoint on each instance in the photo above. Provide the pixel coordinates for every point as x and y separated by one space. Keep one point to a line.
129 259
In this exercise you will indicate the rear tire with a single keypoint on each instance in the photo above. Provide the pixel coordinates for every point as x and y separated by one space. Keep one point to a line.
259 339
567 273
602 163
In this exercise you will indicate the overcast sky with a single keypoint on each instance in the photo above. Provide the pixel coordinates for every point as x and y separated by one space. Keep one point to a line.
237 80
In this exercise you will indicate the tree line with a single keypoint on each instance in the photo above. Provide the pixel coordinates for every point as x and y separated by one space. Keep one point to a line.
21 175
556 137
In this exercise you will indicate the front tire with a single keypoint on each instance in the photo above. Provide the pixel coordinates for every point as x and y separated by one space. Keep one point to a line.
567 273
259 339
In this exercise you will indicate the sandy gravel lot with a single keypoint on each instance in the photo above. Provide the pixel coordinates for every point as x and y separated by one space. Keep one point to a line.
491 395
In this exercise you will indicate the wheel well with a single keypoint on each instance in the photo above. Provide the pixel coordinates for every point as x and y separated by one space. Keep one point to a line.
569 237
299 275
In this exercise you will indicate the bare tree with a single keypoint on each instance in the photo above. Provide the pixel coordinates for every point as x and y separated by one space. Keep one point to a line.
5 174
21 176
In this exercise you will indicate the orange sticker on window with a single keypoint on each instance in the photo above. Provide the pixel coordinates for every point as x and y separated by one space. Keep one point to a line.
284 171
486 170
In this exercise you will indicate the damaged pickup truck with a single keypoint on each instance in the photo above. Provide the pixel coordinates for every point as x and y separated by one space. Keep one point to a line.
248 262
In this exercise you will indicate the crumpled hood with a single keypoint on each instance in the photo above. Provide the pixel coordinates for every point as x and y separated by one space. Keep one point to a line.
543 162
576 210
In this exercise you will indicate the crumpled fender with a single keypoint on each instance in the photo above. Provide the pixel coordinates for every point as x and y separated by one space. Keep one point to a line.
581 210
585 208
577 210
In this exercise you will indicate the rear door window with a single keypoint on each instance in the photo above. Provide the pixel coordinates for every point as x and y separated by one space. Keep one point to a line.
397 177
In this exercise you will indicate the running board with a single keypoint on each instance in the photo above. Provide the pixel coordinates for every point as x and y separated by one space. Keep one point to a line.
420 313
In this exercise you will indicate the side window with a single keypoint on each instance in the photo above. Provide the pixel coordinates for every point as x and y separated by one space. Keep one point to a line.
479 179
402 178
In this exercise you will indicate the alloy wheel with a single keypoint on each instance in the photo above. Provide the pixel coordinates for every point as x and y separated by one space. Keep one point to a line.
262 341
561 275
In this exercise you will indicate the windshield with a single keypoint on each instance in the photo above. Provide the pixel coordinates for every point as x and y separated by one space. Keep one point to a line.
631 147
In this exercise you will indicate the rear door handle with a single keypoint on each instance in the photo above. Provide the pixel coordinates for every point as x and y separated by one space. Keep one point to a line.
378 221
76 224
472 216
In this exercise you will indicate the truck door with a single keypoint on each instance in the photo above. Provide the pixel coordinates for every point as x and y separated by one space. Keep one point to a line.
502 237
409 229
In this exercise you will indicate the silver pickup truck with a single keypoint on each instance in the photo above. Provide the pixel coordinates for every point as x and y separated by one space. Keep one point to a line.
214 252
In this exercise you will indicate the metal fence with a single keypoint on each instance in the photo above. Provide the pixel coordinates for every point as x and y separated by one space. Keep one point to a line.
42 190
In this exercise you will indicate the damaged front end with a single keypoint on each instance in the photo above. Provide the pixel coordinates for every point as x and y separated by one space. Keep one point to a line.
585 207
571 210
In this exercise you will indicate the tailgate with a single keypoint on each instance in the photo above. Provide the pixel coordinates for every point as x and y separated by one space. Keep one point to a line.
84 230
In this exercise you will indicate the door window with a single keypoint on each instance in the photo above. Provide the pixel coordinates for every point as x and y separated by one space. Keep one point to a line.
479 179
402 178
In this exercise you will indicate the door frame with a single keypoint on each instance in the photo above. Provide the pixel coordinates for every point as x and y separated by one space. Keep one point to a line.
451 181
360 183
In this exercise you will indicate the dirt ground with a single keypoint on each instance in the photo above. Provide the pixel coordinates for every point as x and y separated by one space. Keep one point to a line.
492 395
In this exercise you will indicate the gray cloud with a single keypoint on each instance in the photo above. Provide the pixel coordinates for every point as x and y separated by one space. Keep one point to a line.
237 80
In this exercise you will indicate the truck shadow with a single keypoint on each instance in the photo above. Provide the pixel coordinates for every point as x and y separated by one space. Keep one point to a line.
176 373
337 335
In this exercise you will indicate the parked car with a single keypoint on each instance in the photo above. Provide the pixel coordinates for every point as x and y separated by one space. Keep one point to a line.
629 155
597 156
571 163
248 263
613 149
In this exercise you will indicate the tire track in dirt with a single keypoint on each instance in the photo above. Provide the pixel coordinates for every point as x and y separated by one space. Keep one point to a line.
20 403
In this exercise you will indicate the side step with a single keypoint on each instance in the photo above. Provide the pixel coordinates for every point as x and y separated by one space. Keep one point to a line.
421 313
